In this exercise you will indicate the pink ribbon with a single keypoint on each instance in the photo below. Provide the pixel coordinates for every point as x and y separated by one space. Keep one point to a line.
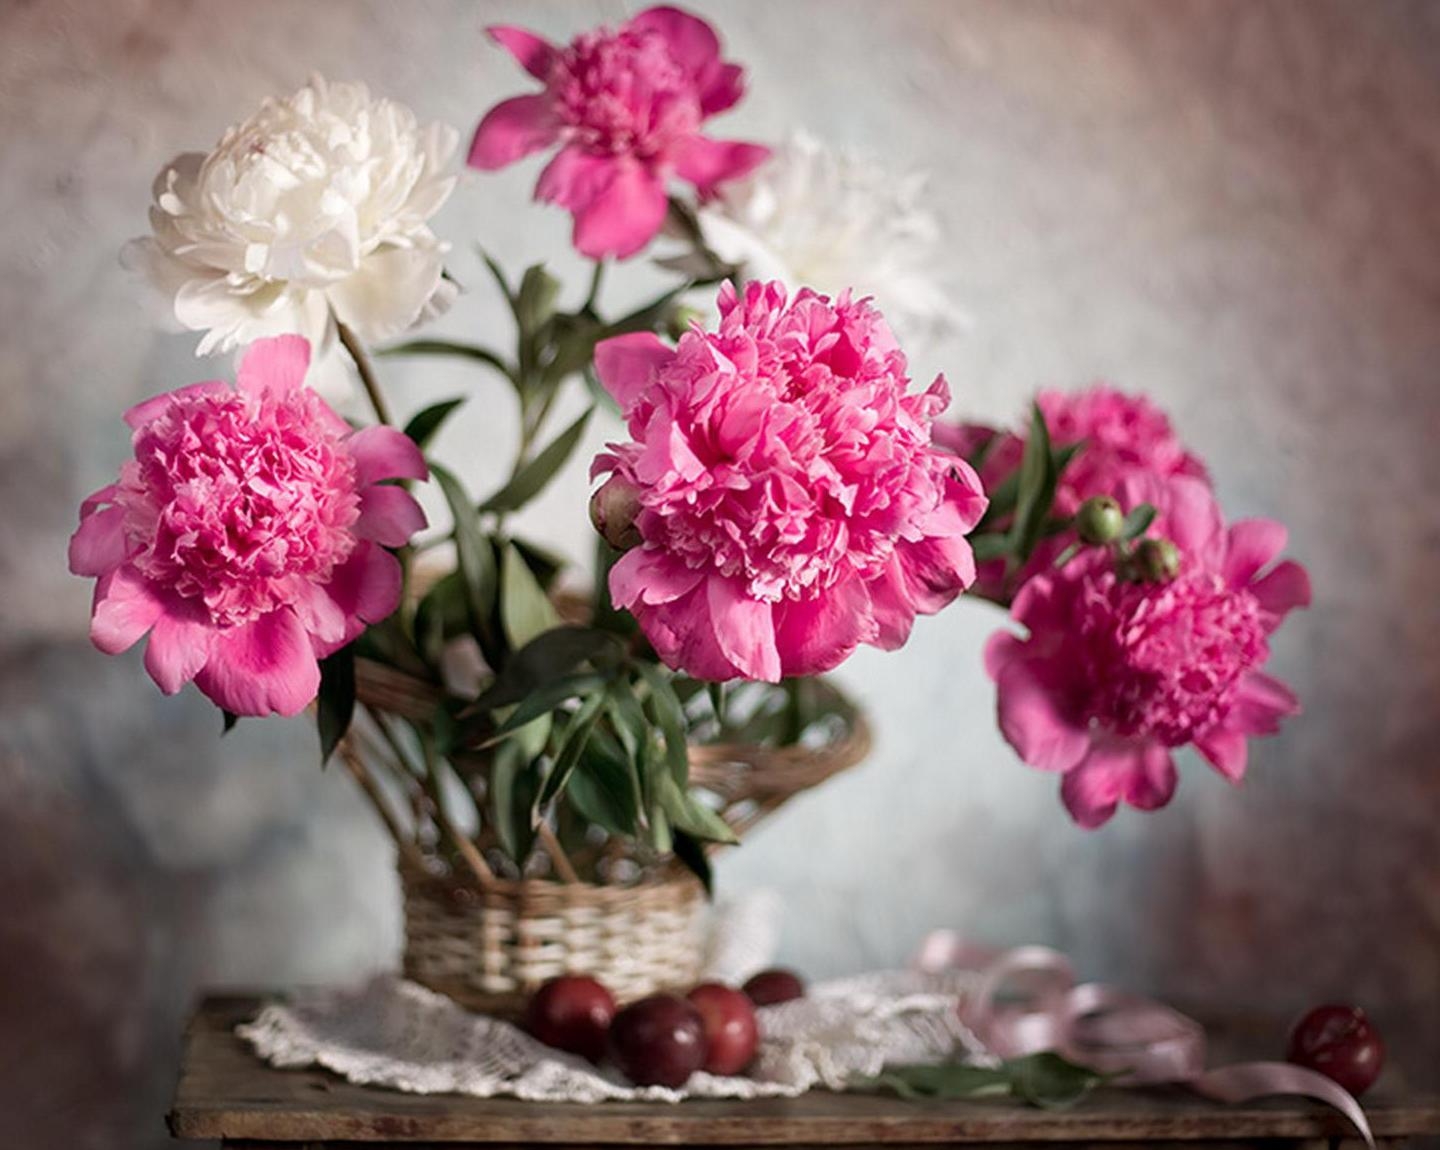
1029 1001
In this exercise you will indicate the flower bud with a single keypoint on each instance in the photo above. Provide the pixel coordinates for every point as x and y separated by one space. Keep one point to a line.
1100 520
1156 560
613 508
678 322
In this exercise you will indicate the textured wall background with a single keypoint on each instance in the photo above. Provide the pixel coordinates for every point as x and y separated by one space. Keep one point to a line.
1232 205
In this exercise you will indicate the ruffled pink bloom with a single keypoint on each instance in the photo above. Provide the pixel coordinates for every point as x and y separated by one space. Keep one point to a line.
248 534
626 108
1125 437
1113 675
791 506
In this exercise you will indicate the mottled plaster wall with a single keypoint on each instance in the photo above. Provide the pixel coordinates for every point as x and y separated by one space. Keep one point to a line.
1233 205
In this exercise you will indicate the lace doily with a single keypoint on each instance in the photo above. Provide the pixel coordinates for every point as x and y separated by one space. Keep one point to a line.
394 1033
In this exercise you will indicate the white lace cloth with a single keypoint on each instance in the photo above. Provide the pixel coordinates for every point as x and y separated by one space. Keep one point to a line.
394 1033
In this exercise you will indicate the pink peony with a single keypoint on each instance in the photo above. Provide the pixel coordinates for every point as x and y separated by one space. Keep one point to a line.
626 108
248 534
1125 437
790 504
1113 675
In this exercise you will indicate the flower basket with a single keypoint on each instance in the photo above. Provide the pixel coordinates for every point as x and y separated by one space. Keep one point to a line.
488 941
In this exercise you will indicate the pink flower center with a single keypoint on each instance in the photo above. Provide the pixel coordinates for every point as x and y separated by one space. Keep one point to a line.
784 449
1165 661
240 502
624 93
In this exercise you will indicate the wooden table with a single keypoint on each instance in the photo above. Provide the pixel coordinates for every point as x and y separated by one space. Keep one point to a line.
225 1092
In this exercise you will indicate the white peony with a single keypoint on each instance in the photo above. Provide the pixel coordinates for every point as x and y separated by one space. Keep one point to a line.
816 217
314 209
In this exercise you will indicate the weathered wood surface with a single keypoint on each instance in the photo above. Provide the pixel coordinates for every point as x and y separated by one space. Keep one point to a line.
226 1092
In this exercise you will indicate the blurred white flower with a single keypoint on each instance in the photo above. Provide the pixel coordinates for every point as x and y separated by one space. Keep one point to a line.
314 209
817 217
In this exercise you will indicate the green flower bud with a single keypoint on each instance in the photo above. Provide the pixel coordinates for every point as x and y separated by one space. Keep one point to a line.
1156 560
613 508
1100 520
679 320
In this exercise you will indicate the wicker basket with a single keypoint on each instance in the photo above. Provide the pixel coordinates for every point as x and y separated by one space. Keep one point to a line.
488 941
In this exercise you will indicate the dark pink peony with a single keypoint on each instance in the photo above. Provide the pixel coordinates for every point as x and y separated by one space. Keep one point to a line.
790 504
248 534
1125 437
626 108
1114 674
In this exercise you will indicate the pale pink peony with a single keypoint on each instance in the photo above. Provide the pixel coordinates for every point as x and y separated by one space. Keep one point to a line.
626 107
791 506
1126 437
248 534
1113 675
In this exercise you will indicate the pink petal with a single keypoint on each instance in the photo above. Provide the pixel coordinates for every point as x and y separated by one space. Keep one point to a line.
627 363
624 217
276 365
1261 701
936 570
98 545
1226 751
147 409
388 515
1142 775
723 89
744 628
367 585
512 130
534 54
692 41
124 609
325 620
384 453
684 639
179 646
574 179
1252 544
265 667
1033 719
706 162
1282 589
891 606
650 577
819 634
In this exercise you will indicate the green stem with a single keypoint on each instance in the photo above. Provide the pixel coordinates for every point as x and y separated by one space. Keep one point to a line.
596 279
367 373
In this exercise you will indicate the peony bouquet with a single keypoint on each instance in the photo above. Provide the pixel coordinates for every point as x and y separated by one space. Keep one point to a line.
778 492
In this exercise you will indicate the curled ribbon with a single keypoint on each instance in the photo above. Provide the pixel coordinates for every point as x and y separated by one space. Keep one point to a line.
1028 1001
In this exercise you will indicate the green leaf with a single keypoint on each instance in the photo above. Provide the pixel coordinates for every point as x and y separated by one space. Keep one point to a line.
228 721
946 1080
474 554
544 659
1138 521
499 273
1037 488
1050 1081
525 610
424 424
689 814
545 564
440 616
604 788
335 704
990 546
545 699
512 791
690 851
531 479
535 301
572 743
460 350
628 716
669 716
